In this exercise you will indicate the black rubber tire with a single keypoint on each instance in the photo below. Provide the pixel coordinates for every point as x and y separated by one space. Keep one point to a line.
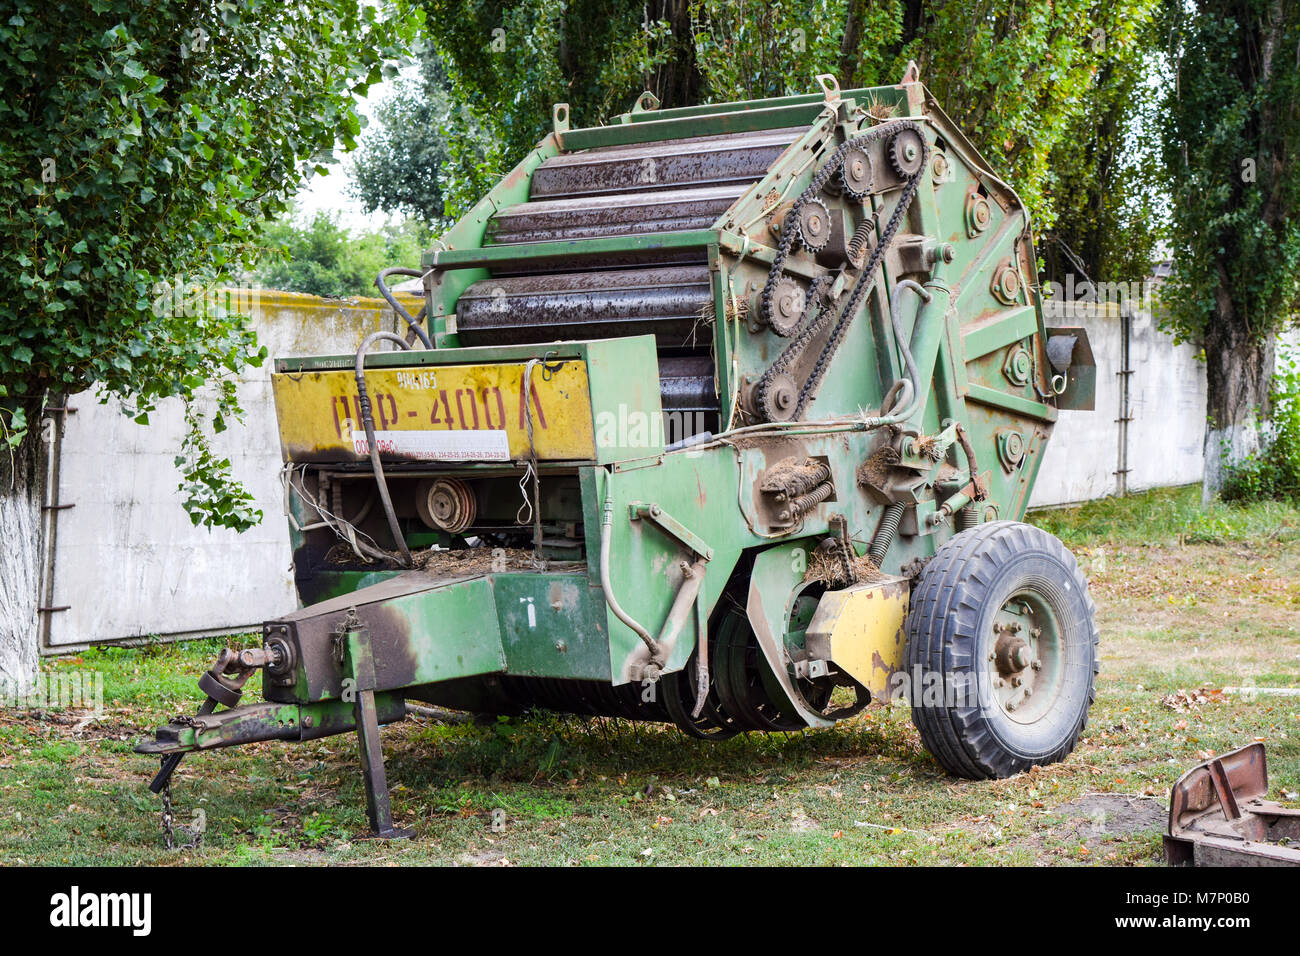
949 635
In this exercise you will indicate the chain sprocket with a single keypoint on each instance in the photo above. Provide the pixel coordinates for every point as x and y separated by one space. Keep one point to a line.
856 174
788 304
811 327
907 152
814 225
778 397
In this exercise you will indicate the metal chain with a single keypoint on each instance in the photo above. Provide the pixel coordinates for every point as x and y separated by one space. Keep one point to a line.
808 330
866 280
169 819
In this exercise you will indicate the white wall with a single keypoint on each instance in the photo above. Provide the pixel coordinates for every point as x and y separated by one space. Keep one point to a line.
1166 405
127 562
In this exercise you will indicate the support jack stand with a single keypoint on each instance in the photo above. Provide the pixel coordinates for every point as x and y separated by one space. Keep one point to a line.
352 643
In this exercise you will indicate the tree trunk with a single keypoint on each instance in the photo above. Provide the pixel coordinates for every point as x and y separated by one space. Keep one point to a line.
21 488
1238 376
678 82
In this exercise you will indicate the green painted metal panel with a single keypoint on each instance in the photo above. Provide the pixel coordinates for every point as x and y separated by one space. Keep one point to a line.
883 95
423 629
654 130
999 331
623 376
567 249
1012 403
552 625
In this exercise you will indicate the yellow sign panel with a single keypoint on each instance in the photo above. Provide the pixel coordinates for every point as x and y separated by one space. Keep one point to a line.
451 413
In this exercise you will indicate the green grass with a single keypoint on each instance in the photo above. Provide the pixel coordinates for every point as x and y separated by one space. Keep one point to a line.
561 790
1168 516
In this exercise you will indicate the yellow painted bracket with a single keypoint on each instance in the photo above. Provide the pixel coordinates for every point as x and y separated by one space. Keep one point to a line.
862 630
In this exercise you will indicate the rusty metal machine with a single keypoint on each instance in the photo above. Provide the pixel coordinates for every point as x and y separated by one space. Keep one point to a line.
1218 815
724 416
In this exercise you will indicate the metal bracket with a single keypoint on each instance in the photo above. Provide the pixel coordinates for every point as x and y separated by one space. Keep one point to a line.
830 87
670 526
560 118
1218 815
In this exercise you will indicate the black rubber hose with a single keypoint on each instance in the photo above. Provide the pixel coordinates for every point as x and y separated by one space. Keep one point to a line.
414 323
368 422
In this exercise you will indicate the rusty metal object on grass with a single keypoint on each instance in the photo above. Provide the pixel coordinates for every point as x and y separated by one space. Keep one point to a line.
1218 815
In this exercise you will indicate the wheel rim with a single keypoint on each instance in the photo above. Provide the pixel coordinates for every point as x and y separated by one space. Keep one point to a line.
1025 657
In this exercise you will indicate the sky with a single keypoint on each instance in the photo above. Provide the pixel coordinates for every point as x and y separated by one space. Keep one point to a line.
329 193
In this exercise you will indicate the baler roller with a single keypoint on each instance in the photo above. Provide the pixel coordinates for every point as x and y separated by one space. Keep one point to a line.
670 302
591 217
732 161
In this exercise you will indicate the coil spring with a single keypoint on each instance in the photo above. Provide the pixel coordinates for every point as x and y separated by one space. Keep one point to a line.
889 523
861 235
966 518
800 482
806 502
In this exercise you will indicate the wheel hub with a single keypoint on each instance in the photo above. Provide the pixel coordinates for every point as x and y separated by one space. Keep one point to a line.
1025 658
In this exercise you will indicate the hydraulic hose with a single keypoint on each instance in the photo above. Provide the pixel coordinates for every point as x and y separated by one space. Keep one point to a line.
896 320
368 422
606 528
412 322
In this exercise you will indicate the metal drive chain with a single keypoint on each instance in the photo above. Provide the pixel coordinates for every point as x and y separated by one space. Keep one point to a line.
865 281
805 329
808 329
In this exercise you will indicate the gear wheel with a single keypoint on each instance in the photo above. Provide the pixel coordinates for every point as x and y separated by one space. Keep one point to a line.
856 173
814 225
906 152
786 307
778 398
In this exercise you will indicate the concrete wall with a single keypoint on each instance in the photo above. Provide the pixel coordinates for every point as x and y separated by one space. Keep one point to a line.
127 562
1166 405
